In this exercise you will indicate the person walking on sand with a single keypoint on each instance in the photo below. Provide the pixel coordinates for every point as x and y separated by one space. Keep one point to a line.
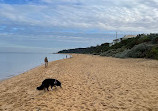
46 62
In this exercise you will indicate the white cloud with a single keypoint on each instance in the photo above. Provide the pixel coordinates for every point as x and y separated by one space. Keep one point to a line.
123 15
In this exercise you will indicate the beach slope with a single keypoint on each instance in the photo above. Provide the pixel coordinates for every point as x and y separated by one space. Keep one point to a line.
89 82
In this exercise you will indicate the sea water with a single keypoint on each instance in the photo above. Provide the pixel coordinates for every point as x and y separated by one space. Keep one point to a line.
12 63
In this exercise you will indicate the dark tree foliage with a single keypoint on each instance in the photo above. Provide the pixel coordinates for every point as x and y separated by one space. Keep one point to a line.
89 50
126 48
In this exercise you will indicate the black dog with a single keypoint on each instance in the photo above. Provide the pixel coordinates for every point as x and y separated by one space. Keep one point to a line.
49 82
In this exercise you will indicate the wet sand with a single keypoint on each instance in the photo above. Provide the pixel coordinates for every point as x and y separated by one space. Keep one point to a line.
90 83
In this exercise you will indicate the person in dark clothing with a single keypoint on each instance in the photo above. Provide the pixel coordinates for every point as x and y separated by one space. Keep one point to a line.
46 62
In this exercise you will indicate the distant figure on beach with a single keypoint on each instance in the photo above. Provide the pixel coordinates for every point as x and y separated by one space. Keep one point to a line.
46 62
66 56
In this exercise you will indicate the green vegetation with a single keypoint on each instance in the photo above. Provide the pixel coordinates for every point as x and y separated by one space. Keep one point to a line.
97 50
142 46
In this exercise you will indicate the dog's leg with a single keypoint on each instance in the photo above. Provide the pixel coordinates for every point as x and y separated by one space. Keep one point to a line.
47 88
44 89
52 87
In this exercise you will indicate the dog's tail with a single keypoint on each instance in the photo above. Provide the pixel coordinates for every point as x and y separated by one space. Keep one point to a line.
40 87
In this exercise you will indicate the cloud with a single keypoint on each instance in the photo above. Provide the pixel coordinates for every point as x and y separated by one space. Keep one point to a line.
130 15
76 23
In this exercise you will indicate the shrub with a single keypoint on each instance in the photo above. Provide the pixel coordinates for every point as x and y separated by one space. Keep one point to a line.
122 54
139 51
153 53
111 52
132 42
144 39
154 40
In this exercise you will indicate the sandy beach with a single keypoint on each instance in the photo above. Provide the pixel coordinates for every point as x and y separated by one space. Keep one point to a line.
90 83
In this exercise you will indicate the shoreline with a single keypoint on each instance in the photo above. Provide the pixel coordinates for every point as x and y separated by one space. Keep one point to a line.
13 75
90 83
26 70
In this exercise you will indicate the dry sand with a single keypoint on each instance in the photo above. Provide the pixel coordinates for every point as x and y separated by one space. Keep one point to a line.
90 83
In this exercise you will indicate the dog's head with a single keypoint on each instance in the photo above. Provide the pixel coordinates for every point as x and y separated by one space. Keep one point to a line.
57 83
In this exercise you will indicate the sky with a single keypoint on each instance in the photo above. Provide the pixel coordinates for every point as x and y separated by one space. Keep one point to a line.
53 25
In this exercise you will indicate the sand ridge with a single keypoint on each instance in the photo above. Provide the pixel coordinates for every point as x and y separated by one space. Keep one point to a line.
90 83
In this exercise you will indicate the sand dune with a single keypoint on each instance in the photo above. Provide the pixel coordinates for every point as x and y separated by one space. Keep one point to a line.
90 83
